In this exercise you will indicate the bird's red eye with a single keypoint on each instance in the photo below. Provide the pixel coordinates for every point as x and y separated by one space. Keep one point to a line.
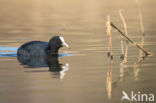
59 41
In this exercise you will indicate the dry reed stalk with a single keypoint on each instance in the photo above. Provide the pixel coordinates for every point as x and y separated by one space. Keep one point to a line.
126 32
109 72
123 21
109 38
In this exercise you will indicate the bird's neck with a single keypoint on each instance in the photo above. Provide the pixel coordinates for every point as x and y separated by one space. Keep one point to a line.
52 52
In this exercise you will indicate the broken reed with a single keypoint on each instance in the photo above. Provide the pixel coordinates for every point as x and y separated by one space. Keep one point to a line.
126 32
135 44
109 38
124 22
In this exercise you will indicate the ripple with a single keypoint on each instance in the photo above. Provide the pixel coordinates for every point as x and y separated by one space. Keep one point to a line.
3 48
12 52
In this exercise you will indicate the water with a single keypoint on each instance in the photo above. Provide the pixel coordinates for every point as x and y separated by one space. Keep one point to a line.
88 75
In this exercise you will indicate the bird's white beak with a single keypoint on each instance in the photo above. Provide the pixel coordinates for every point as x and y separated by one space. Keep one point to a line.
63 42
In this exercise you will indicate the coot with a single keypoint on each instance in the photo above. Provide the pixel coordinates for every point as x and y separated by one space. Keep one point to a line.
41 49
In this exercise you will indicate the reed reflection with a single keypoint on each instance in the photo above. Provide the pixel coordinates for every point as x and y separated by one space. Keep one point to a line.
52 62
136 65
123 58
109 78
141 57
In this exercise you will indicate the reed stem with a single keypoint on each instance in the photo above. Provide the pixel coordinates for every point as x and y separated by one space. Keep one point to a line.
126 32
109 37
123 21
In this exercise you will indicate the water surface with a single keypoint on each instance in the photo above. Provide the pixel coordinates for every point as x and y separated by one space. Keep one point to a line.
91 77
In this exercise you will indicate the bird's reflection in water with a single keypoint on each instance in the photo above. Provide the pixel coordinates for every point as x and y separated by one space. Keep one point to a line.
58 70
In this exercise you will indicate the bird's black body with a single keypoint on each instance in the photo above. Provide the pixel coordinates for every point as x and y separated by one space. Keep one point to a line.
40 48
33 48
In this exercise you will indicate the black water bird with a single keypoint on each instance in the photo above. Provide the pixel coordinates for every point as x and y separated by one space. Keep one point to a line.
35 54
41 49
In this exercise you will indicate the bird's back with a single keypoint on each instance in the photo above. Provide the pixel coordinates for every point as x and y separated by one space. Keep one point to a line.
33 48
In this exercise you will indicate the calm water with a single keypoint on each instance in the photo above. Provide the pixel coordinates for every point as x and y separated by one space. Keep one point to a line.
88 76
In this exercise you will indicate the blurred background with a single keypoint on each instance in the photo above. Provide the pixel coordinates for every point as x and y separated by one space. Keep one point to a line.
91 76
